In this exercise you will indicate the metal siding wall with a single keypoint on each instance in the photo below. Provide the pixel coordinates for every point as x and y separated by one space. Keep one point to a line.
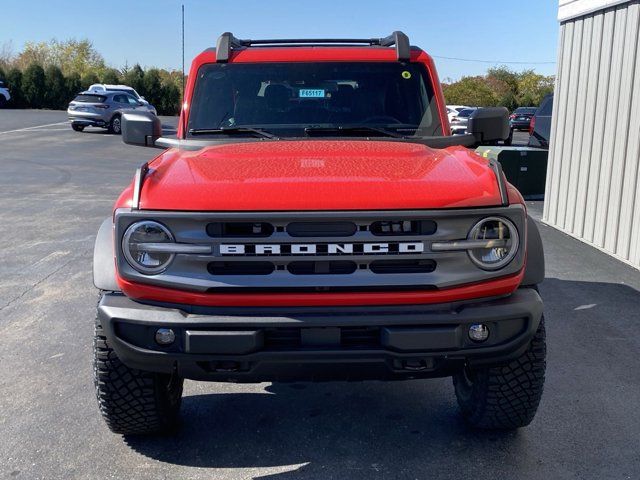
593 172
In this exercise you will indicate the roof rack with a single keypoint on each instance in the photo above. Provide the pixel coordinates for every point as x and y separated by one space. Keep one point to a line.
227 42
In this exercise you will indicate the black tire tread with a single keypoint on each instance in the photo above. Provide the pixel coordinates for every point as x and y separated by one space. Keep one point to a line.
133 402
507 396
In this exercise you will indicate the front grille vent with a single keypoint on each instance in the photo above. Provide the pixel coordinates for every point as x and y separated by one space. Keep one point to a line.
350 338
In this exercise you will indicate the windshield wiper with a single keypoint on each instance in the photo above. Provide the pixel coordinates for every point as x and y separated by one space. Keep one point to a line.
347 129
233 131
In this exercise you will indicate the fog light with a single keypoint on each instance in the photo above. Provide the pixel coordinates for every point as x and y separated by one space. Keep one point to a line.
478 332
165 336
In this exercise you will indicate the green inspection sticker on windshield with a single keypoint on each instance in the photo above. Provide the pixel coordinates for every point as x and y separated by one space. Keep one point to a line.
312 93
406 75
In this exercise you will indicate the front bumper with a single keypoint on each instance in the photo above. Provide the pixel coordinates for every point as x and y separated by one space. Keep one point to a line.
315 343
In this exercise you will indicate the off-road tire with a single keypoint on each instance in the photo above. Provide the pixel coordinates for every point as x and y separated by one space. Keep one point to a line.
76 127
133 402
504 397
115 125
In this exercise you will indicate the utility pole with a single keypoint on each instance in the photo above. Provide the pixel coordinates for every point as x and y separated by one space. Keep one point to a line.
183 52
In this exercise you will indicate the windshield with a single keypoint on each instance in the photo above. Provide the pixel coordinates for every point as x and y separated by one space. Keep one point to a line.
525 110
294 99
466 112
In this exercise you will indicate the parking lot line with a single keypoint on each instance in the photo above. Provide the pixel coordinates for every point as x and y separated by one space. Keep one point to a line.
34 127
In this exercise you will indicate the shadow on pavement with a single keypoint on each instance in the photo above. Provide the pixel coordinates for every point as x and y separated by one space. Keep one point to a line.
348 429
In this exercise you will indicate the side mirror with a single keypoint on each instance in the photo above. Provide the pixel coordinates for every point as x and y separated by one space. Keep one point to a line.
489 125
140 129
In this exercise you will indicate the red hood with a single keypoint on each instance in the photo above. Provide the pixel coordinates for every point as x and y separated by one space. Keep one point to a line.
317 175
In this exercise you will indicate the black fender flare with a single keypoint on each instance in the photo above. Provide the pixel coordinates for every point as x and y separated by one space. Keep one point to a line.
534 270
104 264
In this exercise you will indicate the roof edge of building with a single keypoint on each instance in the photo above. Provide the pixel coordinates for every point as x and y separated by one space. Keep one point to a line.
570 9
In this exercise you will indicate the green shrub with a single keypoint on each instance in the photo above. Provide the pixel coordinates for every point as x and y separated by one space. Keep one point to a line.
56 91
13 80
33 86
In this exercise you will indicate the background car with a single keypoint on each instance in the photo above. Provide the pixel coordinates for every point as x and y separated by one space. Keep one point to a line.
540 128
4 94
90 109
102 87
453 110
459 122
521 118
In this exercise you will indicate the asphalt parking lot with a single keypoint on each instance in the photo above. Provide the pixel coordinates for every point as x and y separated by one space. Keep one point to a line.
56 186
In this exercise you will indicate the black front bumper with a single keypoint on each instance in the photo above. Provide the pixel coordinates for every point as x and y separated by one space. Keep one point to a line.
314 343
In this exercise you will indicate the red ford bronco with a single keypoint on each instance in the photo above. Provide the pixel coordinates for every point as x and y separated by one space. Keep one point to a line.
314 219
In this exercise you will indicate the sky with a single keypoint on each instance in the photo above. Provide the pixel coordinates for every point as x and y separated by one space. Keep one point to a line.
488 32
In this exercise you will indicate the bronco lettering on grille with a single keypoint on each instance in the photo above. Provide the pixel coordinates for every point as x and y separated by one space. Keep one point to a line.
322 248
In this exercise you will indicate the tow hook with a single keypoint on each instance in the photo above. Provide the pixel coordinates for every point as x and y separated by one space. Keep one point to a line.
416 364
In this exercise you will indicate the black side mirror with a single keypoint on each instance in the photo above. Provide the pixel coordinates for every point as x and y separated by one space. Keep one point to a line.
489 125
141 129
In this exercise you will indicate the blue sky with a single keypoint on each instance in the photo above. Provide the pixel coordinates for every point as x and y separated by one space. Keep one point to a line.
148 32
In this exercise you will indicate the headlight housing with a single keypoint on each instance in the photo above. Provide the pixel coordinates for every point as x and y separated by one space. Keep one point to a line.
503 250
147 232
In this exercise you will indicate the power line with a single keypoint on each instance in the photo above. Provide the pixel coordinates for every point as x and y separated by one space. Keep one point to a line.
503 62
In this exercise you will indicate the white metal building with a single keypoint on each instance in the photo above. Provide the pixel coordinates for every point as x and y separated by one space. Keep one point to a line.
593 180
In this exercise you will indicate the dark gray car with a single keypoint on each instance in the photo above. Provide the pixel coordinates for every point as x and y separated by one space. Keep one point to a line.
540 128
90 109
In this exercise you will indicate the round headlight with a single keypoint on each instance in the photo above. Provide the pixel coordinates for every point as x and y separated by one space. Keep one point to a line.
133 246
498 253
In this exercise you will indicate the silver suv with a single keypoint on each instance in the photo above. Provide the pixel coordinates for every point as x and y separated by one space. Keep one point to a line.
90 109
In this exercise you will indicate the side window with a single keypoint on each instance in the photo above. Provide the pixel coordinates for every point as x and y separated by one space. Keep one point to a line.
119 99
131 100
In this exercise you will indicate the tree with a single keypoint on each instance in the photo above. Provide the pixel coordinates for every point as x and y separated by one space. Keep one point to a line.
110 76
472 91
14 82
170 104
88 79
34 54
71 56
532 87
152 88
499 87
135 78
504 84
7 56
77 56
33 86
73 85
56 92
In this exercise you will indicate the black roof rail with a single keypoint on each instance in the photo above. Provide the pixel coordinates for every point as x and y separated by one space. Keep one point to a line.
227 42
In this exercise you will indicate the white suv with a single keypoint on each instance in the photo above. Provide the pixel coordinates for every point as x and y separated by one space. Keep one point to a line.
102 88
4 94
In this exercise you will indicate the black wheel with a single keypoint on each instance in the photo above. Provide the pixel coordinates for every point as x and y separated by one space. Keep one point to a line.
115 125
77 127
3 101
509 139
133 402
504 397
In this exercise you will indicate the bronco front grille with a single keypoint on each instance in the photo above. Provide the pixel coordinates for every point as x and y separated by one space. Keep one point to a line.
317 251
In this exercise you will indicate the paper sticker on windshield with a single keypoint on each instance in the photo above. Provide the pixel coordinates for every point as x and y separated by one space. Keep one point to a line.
406 75
312 93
